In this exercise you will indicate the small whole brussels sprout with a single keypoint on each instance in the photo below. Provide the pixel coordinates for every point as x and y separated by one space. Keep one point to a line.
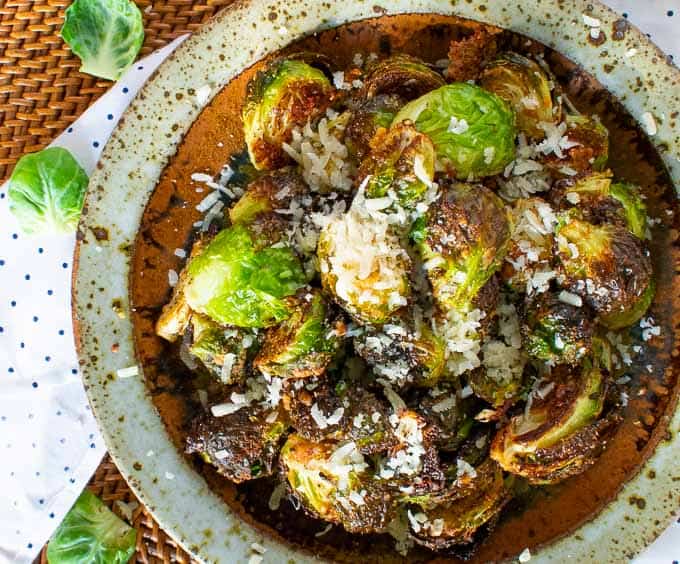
105 34
462 240
235 282
608 267
288 93
473 130
402 162
305 343
559 434
407 76
369 116
46 191
526 87
555 331
363 266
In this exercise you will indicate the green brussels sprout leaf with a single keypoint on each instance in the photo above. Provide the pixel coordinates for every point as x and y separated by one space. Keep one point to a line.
105 34
46 191
91 534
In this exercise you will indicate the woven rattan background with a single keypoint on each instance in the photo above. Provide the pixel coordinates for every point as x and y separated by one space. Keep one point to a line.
41 93
41 90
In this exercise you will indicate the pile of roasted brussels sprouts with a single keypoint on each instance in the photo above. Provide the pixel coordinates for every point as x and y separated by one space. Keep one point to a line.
407 315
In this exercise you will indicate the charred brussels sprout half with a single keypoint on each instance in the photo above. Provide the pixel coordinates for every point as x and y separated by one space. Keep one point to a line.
363 266
608 267
288 93
404 75
585 148
224 351
526 87
462 240
369 116
473 130
235 282
333 482
306 342
559 434
242 445
555 331
401 163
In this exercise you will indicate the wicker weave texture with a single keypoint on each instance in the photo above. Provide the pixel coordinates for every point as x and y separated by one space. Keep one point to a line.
41 90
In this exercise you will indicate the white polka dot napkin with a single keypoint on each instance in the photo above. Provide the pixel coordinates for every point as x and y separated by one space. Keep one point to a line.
49 443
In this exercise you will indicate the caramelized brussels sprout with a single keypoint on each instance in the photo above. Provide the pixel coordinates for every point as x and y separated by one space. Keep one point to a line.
333 482
267 193
401 162
468 506
242 445
526 87
403 352
236 282
558 435
582 145
363 266
449 413
288 93
462 240
608 267
401 74
370 115
305 343
555 331
633 209
224 351
473 130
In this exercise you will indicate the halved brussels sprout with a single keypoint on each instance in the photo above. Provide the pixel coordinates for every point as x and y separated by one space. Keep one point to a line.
608 267
333 482
288 93
407 76
449 413
524 85
555 331
473 130
465 508
363 266
558 434
269 192
633 209
306 342
462 240
235 282
403 352
242 445
370 115
401 162
222 350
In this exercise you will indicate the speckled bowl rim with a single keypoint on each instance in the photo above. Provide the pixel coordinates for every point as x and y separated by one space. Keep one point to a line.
148 136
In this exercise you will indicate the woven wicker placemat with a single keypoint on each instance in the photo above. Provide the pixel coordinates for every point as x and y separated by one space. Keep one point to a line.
41 90
41 94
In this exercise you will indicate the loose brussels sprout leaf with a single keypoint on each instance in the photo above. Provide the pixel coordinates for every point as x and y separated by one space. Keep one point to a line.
235 284
288 93
469 508
608 267
363 266
105 34
401 162
267 193
633 208
555 427
305 343
462 240
555 331
242 446
91 534
401 74
526 87
222 351
473 130
367 118
46 191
